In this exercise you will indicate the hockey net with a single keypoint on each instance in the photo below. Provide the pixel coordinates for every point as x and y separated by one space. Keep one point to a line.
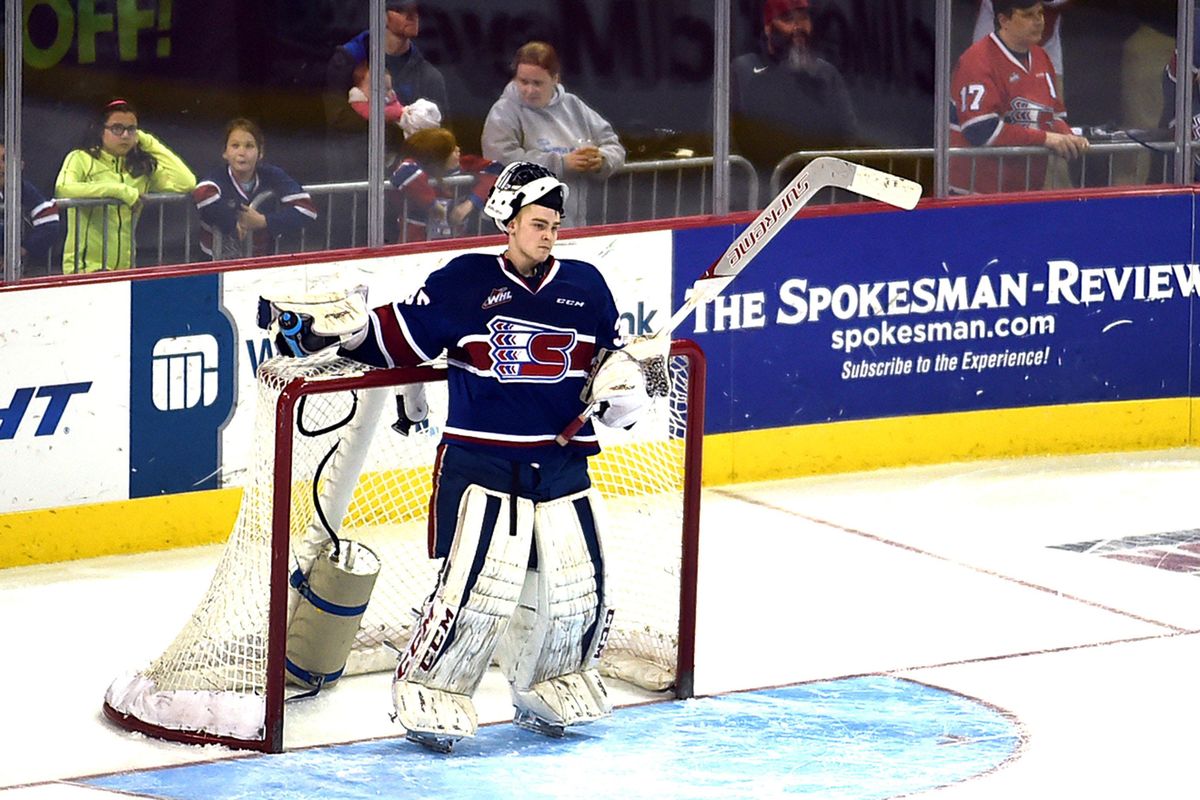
323 439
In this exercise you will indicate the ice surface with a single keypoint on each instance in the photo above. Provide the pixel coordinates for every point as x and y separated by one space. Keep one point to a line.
951 577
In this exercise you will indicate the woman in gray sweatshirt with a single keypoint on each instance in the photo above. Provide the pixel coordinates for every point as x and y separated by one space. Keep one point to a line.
538 120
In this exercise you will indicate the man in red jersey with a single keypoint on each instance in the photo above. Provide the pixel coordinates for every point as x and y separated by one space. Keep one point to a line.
1004 94
985 23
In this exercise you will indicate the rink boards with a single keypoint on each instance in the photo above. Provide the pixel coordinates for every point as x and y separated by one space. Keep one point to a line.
855 340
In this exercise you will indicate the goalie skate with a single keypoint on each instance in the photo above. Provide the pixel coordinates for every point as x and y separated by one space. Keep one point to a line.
532 722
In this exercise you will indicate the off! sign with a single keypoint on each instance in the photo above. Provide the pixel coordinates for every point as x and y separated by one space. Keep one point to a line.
53 26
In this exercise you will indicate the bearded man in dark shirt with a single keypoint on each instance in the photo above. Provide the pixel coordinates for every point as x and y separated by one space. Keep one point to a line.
785 98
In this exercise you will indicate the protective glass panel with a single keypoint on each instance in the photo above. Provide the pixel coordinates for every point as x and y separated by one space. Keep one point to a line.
125 173
618 105
1061 95
833 77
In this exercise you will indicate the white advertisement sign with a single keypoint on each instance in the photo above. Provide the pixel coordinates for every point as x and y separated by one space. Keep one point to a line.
67 427
64 396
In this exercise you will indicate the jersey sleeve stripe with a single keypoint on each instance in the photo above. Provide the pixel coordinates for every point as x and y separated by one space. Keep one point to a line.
206 193
375 341
508 440
996 133
397 337
44 213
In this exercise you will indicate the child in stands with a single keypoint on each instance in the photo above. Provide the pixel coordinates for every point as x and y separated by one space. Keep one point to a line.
427 209
247 198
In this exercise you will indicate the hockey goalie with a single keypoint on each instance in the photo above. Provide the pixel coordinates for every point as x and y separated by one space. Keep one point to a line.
530 340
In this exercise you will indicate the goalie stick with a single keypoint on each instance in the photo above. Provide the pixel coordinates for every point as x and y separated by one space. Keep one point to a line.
820 173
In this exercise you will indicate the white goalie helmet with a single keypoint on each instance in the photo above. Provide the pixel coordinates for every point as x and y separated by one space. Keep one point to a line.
520 184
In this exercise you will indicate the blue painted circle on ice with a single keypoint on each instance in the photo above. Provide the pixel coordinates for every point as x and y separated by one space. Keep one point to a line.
853 739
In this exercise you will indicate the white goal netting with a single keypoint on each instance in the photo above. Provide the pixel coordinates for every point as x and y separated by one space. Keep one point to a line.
214 681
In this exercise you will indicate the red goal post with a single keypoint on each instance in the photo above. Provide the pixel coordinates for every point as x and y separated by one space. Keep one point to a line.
322 438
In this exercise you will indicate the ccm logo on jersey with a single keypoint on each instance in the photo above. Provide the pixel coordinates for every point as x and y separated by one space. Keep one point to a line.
527 351
565 301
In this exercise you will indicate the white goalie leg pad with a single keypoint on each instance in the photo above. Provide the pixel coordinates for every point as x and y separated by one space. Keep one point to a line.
557 634
574 699
426 710
462 621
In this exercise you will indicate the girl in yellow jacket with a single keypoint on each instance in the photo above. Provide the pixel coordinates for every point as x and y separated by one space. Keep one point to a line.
119 162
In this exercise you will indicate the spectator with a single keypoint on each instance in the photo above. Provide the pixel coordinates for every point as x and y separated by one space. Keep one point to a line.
536 119
1143 53
429 211
1003 94
355 113
1170 83
785 98
417 115
41 226
248 198
116 161
359 96
412 78
1057 174
1051 41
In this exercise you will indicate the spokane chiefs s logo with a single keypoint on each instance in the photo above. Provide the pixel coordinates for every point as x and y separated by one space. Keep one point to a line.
525 351
1027 112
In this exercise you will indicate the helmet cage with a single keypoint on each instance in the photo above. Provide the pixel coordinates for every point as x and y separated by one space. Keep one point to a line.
521 183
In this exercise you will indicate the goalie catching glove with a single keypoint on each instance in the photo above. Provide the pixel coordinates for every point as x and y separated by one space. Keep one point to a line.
308 324
618 390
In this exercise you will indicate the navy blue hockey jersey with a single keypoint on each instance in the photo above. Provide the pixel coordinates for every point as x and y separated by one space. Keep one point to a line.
219 198
519 352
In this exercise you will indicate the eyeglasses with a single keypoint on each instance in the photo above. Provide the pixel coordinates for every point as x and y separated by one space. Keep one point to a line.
121 130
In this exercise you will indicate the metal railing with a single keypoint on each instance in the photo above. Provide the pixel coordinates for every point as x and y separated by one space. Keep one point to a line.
637 191
160 204
690 193
1106 152
640 190
224 247
917 162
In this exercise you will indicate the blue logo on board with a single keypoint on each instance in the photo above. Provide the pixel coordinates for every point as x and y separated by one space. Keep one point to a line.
182 384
